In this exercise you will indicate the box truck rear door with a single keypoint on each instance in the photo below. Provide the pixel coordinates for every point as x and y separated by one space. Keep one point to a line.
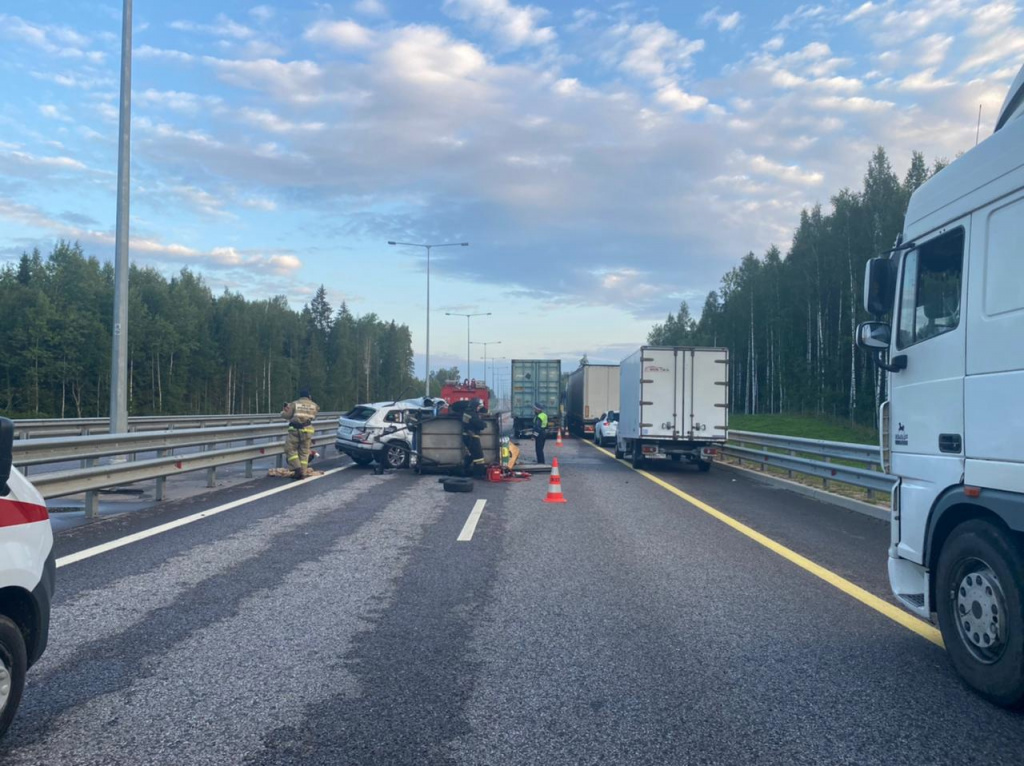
660 392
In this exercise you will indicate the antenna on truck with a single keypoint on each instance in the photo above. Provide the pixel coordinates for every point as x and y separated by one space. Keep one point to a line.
977 136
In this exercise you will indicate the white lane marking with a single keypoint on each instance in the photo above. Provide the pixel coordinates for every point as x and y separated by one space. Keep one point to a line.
88 553
470 527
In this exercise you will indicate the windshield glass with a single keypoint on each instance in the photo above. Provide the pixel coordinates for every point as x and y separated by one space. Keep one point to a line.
362 412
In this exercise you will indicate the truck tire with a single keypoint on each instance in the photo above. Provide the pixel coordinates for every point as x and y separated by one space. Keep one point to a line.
637 458
619 454
13 666
457 484
978 592
703 466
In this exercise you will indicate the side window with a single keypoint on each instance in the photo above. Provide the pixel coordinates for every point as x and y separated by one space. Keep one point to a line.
931 289
394 416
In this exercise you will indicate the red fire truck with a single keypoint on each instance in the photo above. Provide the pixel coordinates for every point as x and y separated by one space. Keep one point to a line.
455 391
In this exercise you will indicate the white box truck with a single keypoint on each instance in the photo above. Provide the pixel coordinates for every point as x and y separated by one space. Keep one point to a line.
952 430
591 391
674 405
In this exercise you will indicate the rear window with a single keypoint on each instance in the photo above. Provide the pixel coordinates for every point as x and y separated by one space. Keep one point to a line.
359 413
613 417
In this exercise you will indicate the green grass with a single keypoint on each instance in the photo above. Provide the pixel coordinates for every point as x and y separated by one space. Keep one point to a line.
805 426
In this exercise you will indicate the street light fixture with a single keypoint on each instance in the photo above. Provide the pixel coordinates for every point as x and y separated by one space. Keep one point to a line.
428 248
485 344
468 317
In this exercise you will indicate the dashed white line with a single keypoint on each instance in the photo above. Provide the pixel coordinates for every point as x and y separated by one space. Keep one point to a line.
88 553
470 526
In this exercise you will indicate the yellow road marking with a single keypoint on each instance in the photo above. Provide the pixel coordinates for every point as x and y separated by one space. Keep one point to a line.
893 612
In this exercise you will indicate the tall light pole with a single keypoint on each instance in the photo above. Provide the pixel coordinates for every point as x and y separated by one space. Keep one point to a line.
428 248
119 350
485 344
494 372
468 317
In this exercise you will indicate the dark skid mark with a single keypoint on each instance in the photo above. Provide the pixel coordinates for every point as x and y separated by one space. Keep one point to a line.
413 665
115 663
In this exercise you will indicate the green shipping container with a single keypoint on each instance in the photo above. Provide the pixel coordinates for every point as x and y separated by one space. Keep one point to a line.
536 380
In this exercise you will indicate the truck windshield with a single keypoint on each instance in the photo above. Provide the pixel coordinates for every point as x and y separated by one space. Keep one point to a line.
930 293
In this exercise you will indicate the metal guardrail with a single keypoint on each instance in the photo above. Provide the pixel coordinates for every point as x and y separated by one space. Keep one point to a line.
813 457
260 441
48 427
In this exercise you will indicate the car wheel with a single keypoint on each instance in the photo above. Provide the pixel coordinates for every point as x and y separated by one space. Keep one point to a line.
394 456
361 459
13 666
704 466
978 590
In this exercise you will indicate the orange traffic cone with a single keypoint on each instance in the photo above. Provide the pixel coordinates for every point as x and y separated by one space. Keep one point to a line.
558 441
555 485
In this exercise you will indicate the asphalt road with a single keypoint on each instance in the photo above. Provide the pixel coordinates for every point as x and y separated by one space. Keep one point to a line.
340 621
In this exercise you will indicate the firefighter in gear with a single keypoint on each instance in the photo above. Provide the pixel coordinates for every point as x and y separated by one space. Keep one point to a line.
300 415
540 430
472 426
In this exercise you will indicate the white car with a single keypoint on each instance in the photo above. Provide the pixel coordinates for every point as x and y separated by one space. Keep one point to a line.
27 574
378 431
606 428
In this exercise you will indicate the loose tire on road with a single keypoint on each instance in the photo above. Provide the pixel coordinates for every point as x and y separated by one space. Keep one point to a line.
13 666
978 592
393 456
457 484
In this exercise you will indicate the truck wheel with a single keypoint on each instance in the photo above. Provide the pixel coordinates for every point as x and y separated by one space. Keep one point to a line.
637 458
619 454
393 456
703 466
13 666
978 589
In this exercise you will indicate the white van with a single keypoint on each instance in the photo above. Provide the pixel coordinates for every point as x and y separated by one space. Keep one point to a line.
953 428
27 573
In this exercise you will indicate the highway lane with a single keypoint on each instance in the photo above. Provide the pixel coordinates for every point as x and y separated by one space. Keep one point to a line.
341 621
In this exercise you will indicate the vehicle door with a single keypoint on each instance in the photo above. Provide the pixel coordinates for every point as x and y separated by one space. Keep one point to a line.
662 376
927 395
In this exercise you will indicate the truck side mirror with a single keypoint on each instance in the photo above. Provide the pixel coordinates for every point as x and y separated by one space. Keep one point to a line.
6 453
879 286
874 336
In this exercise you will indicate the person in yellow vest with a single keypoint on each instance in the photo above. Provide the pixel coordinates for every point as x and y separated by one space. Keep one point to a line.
300 415
540 430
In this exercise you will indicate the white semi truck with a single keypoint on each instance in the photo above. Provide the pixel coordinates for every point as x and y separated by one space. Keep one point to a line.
674 405
952 430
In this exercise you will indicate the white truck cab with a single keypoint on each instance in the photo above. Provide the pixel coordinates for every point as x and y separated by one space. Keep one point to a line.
952 429
27 573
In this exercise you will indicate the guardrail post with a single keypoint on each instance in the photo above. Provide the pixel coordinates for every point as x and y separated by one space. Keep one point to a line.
211 476
92 497
248 463
161 481
825 482
789 472
280 460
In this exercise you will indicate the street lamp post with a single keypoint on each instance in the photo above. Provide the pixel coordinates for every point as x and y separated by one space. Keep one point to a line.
428 247
468 317
485 344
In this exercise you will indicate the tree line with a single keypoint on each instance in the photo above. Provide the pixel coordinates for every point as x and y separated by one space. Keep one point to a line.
789 320
189 351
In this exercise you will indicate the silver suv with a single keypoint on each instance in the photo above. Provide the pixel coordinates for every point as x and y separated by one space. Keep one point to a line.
379 431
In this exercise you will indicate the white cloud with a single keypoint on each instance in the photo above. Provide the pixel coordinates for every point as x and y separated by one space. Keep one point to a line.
680 101
341 34
178 101
222 27
275 124
853 104
515 26
260 203
149 52
923 81
262 13
297 81
725 21
801 14
57 40
428 55
789 173
370 8
860 12
54 113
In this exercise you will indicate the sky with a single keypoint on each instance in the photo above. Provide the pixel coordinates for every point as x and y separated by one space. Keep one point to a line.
605 160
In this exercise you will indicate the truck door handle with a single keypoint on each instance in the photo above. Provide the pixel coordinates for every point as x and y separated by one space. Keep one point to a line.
950 443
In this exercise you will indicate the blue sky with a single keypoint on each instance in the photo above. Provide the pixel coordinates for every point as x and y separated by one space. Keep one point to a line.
604 159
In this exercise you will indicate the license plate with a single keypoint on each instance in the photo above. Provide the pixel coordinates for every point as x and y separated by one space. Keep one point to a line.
343 431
